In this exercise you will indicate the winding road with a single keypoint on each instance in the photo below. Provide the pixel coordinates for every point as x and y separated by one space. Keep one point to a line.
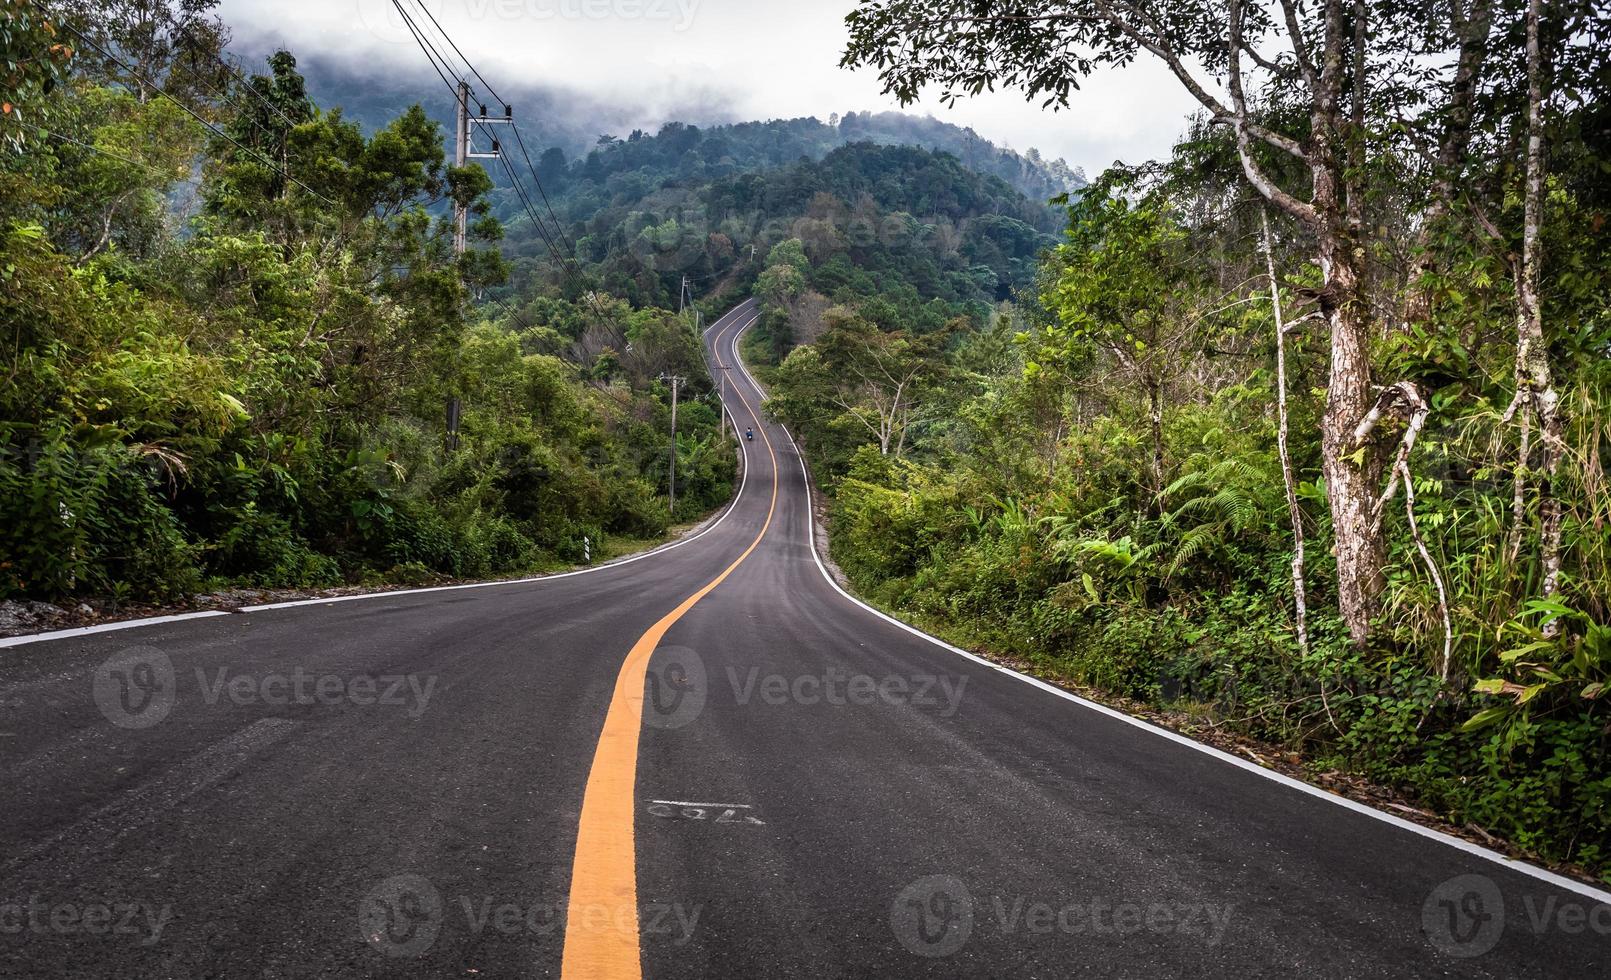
708 761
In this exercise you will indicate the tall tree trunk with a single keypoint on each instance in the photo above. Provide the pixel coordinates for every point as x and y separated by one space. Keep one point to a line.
1352 478
1535 388
1351 487
1300 589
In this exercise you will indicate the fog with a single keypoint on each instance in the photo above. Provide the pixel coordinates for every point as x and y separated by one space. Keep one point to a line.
614 65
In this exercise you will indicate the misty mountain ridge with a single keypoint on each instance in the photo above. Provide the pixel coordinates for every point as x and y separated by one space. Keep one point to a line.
582 127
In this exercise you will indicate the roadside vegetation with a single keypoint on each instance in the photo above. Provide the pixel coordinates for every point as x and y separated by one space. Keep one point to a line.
230 346
1301 431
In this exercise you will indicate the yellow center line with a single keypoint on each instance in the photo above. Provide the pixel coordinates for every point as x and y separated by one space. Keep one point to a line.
601 930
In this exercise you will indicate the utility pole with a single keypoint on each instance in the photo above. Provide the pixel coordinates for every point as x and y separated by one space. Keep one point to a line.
682 296
461 156
676 383
464 151
721 409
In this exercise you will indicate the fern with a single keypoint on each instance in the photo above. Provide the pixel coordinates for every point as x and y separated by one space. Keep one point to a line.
1222 502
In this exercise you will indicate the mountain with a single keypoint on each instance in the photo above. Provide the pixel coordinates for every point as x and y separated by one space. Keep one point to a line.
579 126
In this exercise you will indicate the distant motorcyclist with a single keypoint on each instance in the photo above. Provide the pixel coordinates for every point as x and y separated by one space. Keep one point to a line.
749 435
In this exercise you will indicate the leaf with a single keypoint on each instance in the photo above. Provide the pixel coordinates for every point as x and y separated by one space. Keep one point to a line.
1484 718
234 404
1499 686
1511 656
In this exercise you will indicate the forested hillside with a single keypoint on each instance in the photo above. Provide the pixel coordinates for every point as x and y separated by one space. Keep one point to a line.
234 322
1321 465
578 128
919 221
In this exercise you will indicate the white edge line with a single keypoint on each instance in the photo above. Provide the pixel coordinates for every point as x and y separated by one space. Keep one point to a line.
17 641
1532 871
128 624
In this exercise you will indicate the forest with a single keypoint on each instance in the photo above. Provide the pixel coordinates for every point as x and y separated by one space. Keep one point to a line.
1300 433
235 320
647 211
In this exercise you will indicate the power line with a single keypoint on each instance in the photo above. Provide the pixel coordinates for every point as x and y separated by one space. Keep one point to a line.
490 90
521 141
116 156
431 54
448 72
197 116
450 77
510 312
445 69
221 92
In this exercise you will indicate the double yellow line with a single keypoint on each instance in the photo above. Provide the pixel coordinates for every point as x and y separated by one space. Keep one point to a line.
604 872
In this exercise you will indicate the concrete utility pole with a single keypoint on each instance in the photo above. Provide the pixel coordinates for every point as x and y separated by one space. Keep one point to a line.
676 384
682 296
721 410
461 156
464 151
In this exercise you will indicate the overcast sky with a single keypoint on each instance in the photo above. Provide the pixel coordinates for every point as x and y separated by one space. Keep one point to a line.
707 61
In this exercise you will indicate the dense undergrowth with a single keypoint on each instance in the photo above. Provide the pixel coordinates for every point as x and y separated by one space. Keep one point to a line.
1005 479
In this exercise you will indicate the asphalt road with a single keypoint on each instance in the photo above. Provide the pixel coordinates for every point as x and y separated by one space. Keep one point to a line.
705 763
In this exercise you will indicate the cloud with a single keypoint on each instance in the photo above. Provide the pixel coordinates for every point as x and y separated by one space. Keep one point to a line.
705 61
